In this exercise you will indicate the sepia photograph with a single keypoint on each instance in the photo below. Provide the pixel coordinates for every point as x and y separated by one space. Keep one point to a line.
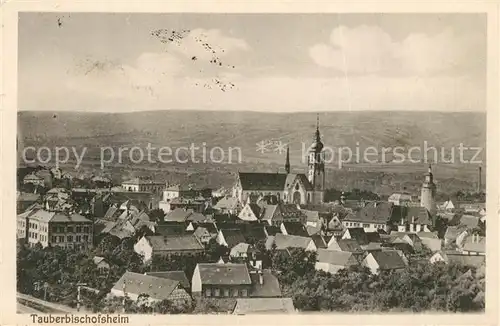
250 164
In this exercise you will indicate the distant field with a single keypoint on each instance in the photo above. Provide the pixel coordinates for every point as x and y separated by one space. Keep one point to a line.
243 130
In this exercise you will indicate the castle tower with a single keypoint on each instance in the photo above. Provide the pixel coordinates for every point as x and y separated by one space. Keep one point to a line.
287 162
427 197
316 167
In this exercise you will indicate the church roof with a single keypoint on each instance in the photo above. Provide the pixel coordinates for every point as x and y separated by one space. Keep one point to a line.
303 179
262 181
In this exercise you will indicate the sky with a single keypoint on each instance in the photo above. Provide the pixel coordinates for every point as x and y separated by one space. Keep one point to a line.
258 62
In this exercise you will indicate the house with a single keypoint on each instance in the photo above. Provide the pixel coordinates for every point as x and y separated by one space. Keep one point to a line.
221 280
250 212
204 231
456 257
430 240
331 261
455 235
228 205
320 241
178 215
34 179
144 185
411 219
294 228
347 245
230 237
378 261
196 204
284 242
101 264
334 227
167 246
357 234
55 228
469 221
449 205
177 191
264 284
241 251
179 276
264 306
474 245
372 217
401 199
25 200
156 289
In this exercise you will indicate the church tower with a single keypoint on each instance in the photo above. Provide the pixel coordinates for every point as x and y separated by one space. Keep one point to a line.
427 197
316 167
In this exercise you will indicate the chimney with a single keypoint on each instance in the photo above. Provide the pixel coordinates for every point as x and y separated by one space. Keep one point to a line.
479 180
261 277
413 220
402 221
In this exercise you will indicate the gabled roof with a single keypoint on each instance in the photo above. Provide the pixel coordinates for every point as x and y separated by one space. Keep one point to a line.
264 306
270 287
388 260
469 221
239 248
272 230
373 237
429 235
295 228
227 203
156 287
374 212
224 274
290 180
319 241
178 215
200 218
174 242
452 232
350 245
338 258
233 237
270 212
291 241
98 259
173 228
475 243
358 234
291 211
262 181
178 276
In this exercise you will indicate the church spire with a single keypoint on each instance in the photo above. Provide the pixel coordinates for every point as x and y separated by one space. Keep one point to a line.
287 162
317 136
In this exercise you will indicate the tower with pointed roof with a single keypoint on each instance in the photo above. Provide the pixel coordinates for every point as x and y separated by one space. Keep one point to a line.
428 193
287 162
316 166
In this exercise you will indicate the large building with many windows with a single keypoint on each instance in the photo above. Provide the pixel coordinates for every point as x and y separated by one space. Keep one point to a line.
63 229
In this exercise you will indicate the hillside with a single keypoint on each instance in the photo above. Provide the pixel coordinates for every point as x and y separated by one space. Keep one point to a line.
245 129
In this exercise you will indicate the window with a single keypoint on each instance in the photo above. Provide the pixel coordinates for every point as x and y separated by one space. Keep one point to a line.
85 238
70 229
366 225
85 229
235 293
208 292
70 238
53 239
244 292
226 292
78 229
78 238
60 238
216 293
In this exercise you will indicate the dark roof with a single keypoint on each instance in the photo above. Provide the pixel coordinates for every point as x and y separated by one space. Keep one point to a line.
224 274
359 235
178 215
272 230
388 260
289 211
171 229
296 228
334 257
262 181
233 237
376 212
179 276
373 237
350 245
210 227
174 242
155 287
256 209
270 287
420 215
319 241
254 232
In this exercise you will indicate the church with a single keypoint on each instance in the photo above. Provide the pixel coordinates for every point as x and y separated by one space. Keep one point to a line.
295 188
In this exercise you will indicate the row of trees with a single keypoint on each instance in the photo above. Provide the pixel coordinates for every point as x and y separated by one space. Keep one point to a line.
355 194
420 287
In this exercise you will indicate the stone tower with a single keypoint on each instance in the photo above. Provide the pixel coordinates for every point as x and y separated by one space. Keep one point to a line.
427 197
316 166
